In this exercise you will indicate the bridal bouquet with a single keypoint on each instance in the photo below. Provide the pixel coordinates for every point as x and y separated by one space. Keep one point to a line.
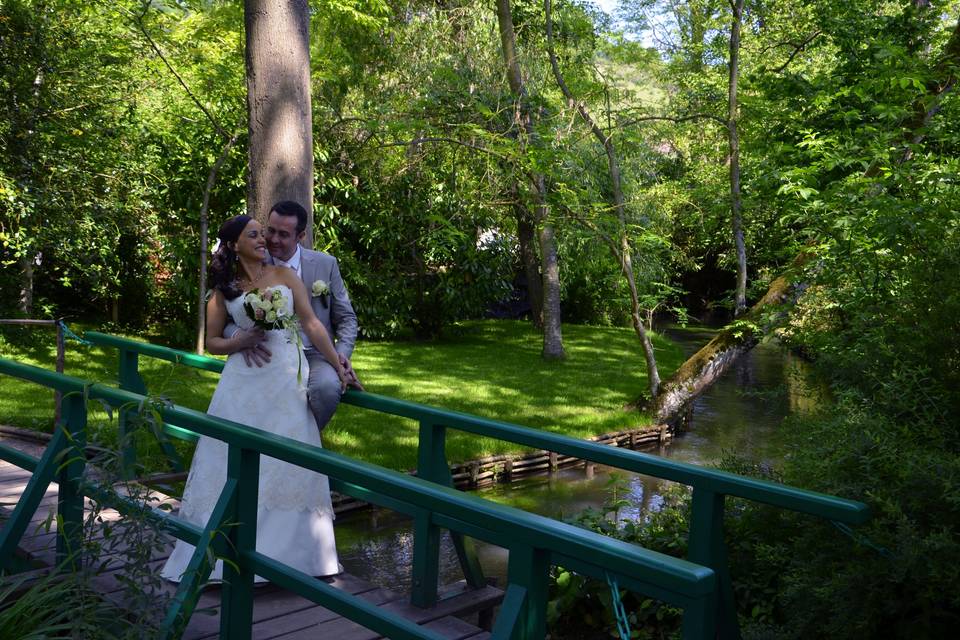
267 309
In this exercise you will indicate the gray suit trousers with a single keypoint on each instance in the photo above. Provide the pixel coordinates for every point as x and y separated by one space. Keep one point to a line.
323 388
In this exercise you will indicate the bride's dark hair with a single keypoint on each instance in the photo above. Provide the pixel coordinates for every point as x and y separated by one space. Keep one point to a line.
223 264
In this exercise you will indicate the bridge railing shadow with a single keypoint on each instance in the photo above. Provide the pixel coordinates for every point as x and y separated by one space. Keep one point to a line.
534 542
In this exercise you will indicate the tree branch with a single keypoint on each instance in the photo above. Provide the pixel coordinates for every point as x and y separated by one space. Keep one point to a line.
677 120
139 20
590 224
461 143
797 48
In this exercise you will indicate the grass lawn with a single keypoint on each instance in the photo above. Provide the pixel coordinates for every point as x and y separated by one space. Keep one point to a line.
490 368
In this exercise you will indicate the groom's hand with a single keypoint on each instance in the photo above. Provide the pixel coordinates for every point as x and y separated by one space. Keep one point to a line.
250 344
349 374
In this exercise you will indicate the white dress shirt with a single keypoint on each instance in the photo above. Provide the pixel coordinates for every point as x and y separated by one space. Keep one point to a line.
293 262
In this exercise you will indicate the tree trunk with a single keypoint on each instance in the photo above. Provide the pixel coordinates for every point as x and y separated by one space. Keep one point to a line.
552 334
278 103
740 303
526 232
623 253
204 227
26 285
653 373
23 136
550 268
704 367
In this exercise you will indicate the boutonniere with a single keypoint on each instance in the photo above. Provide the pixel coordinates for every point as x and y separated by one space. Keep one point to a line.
320 289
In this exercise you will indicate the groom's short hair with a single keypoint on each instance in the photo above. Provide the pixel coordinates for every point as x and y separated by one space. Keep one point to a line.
291 208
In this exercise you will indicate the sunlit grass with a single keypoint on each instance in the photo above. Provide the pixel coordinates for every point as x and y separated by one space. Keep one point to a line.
488 368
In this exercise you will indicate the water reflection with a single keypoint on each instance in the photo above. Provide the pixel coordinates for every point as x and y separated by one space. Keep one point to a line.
741 414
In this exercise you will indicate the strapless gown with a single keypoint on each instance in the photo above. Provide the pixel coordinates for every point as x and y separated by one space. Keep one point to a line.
294 516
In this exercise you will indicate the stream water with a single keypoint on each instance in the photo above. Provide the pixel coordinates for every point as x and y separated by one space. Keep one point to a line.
740 414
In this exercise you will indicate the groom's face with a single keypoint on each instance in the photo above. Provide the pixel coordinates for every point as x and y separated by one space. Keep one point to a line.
282 236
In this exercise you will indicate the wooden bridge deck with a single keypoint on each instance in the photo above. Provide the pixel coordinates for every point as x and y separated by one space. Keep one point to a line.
277 613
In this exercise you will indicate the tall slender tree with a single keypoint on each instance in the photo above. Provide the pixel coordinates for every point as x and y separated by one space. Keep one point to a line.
733 160
550 269
619 246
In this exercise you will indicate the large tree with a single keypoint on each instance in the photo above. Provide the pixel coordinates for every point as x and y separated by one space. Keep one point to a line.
733 159
278 102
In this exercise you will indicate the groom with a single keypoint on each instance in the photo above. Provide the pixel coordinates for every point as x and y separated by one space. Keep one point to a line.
285 228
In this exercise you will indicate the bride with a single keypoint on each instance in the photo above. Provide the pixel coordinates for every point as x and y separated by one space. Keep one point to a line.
294 516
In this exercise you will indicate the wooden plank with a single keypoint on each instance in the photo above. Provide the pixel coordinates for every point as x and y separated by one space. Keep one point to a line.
463 603
318 621
13 485
276 610
452 628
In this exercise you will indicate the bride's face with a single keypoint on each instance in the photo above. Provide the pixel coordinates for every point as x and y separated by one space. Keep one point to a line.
251 244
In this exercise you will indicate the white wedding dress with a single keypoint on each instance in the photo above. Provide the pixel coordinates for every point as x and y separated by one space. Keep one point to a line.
294 516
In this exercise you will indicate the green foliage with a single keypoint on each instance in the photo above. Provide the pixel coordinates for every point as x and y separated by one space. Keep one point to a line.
581 607
65 601
70 191
421 262
48 608
884 583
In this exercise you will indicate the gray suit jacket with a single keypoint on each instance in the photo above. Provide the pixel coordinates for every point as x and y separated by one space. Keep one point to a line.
337 314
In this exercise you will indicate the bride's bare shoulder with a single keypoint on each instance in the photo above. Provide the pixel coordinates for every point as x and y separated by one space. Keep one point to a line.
284 275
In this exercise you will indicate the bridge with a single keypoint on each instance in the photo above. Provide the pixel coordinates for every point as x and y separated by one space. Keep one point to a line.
699 585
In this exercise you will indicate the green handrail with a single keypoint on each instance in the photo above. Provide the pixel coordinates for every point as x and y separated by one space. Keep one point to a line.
787 497
710 486
533 540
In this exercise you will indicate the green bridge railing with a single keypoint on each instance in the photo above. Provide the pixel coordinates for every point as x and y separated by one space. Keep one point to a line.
708 611
534 542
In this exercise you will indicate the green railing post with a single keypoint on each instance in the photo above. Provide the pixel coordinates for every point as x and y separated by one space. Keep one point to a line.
69 474
431 465
130 380
426 560
236 604
699 620
707 547
529 568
